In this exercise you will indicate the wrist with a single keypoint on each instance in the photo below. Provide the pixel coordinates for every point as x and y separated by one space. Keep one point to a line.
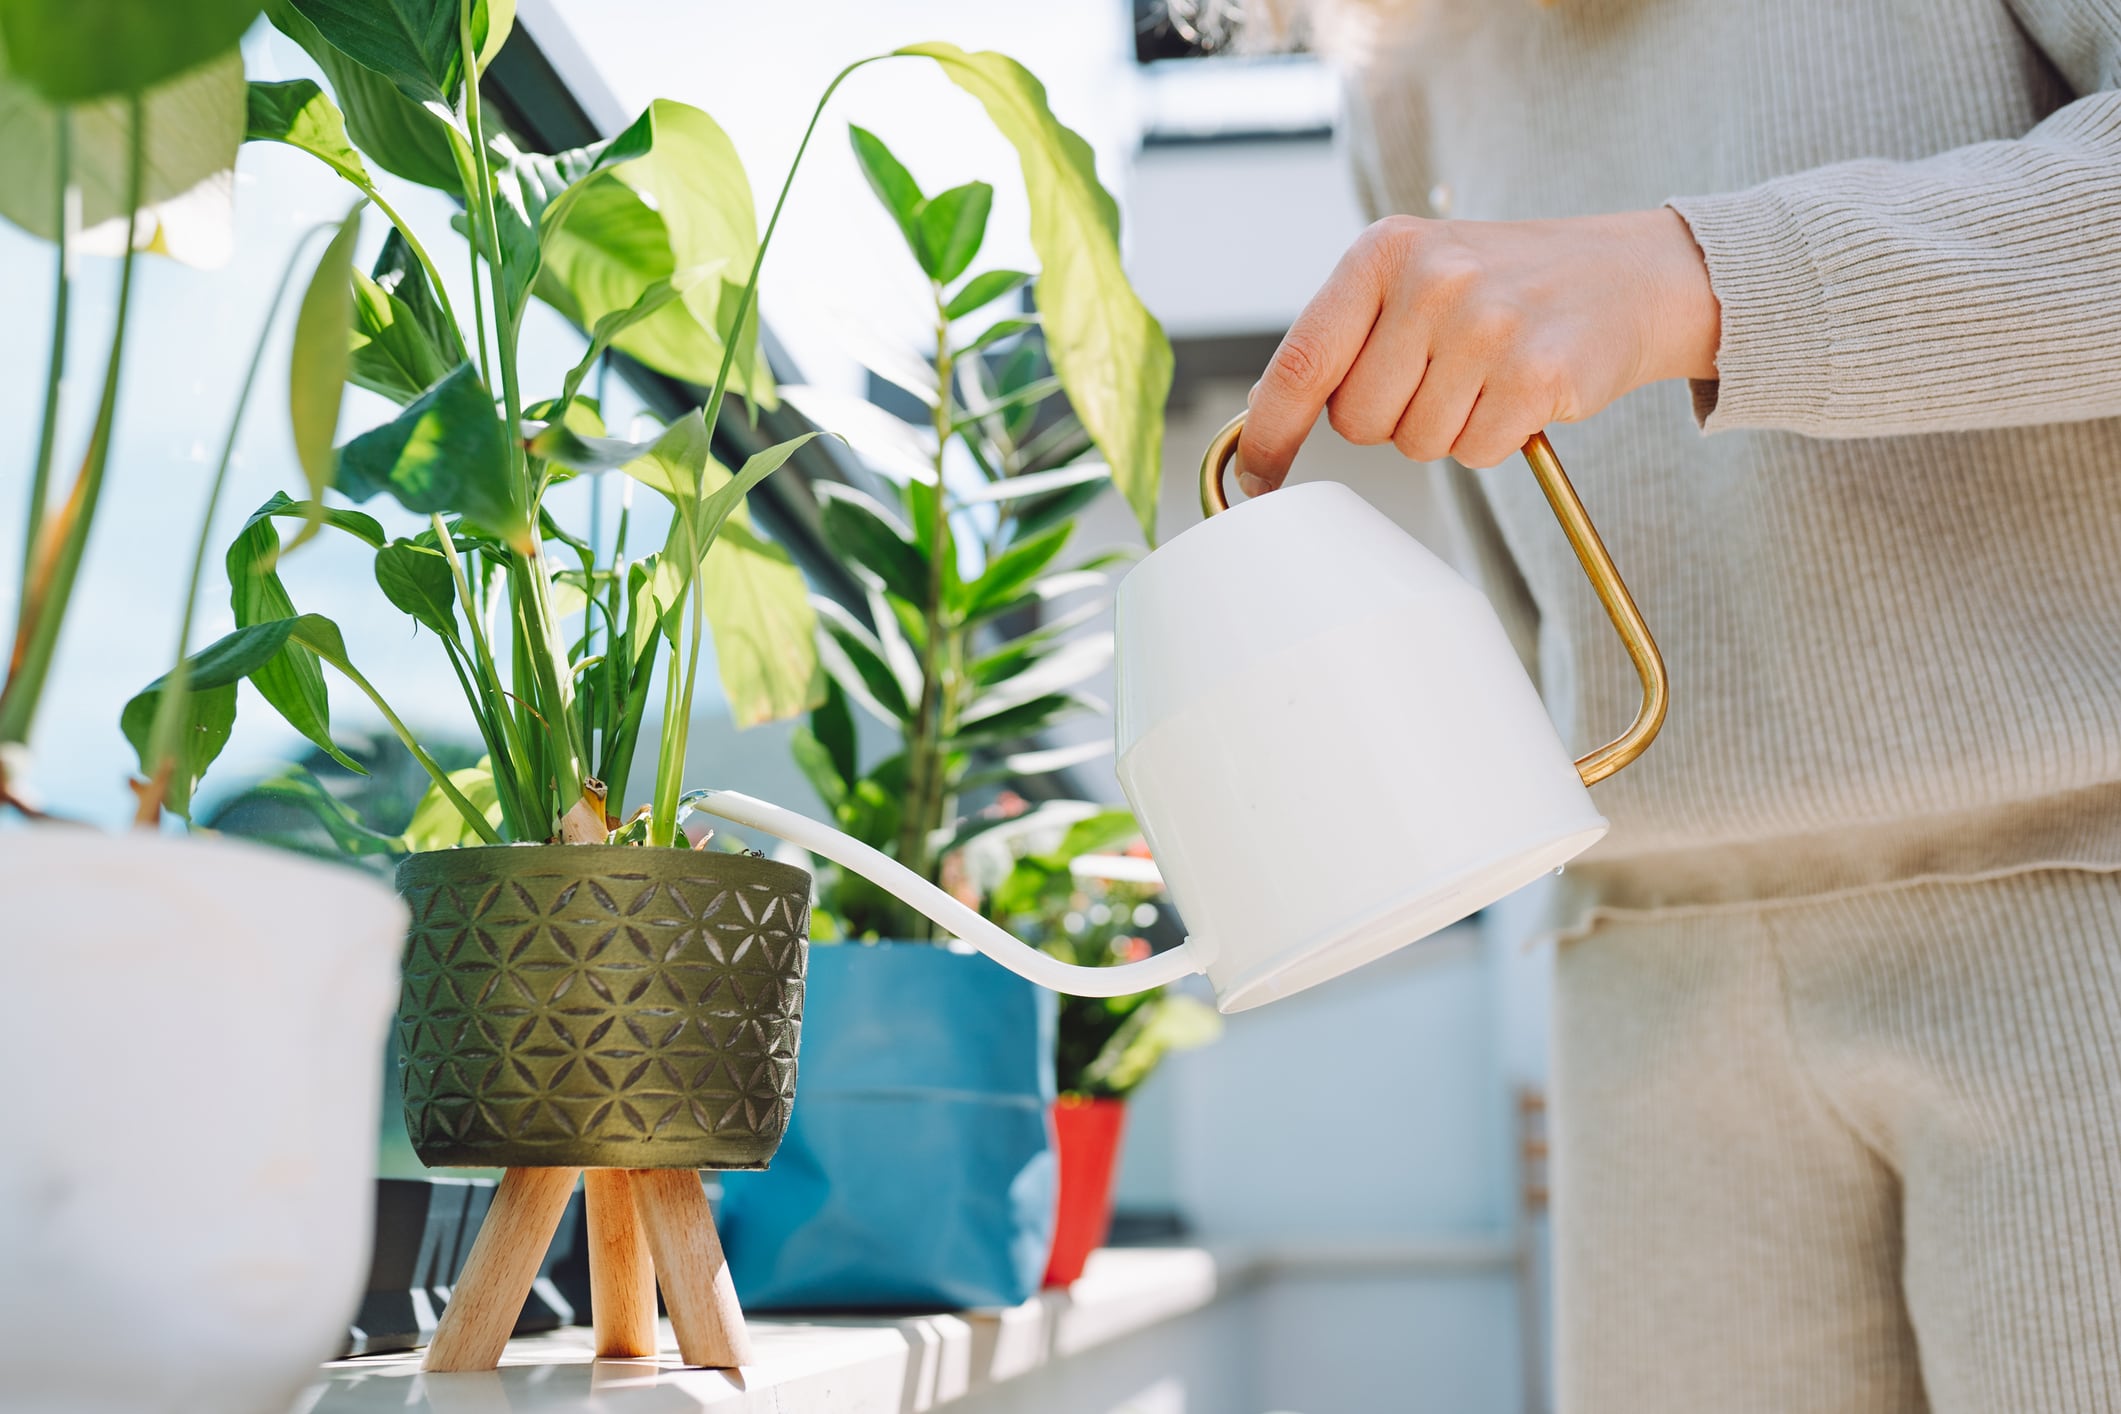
1687 319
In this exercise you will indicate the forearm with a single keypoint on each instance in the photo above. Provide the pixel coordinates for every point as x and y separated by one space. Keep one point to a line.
1978 288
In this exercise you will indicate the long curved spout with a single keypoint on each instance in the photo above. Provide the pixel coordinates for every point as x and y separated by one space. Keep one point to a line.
887 873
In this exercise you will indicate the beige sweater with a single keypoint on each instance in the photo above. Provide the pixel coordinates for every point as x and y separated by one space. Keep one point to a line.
1888 578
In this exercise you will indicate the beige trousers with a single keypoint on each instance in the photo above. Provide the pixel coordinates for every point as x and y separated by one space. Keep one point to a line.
1856 1155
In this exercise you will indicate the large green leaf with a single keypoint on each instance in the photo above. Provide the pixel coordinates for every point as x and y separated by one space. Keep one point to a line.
316 371
1109 352
436 821
418 580
300 114
194 126
445 453
293 681
72 51
684 205
402 342
765 632
395 133
413 43
533 192
210 678
391 353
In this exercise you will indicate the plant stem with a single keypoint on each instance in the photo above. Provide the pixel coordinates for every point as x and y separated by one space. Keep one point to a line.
169 707
516 774
919 819
50 583
67 217
473 816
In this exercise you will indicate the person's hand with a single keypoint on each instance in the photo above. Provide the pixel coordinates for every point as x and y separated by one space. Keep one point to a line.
1463 338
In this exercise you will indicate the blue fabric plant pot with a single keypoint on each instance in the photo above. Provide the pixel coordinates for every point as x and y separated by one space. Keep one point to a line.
919 1169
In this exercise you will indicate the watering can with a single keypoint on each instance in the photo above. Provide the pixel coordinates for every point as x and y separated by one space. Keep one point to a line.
1327 738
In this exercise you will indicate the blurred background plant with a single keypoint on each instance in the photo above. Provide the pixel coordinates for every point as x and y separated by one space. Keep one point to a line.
961 654
1077 882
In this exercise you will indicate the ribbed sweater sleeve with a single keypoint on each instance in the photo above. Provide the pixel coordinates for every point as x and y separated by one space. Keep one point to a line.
1979 288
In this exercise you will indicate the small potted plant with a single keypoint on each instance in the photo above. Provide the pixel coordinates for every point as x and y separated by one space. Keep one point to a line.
926 1173
1061 889
188 1156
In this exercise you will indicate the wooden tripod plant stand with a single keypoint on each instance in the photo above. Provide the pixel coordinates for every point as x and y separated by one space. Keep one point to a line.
645 1226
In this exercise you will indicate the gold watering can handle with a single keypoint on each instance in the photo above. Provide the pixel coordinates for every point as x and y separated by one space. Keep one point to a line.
1590 552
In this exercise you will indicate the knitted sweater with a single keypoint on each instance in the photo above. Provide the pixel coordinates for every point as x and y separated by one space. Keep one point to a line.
1883 552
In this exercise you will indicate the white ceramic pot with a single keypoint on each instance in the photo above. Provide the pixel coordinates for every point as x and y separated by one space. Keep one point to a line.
192 1063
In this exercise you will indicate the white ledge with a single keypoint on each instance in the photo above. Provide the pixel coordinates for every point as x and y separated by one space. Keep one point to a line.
904 1365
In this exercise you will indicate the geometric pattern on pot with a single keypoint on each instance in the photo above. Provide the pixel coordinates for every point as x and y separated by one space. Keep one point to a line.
601 1006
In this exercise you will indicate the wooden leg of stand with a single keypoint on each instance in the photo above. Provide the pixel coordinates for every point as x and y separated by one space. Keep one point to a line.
621 1273
488 1297
688 1263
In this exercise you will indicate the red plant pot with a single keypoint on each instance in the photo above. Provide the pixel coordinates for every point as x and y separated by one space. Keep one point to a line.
1088 1132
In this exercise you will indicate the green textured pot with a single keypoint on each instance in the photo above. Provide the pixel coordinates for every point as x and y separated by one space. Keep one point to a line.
600 1006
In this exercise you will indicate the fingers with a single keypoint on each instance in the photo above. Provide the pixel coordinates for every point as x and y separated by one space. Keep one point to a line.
1314 355
1431 424
1500 423
1371 399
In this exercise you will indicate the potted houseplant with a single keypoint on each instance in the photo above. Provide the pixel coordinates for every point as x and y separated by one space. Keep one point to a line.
189 1172
926 1175
1059 889
580 989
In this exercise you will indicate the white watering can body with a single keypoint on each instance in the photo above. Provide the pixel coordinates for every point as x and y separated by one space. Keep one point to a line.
1328 741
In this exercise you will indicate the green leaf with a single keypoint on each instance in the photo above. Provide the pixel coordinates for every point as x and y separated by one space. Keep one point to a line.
1039 483
1006 577
292 682
492 21
856 661
719 505
675 463
999 330
297 787
1096 834
298 113
210 678
363 527
418 580
436 821
391 354
399 273
194 126
684 205
209 718
316 372
1035 515
1110 354
765 632
815 762
1023 720
446 453
397 134
1166 1023
72 51
533 193
413 43
833 726
953 223
893 185
982 290
863 532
